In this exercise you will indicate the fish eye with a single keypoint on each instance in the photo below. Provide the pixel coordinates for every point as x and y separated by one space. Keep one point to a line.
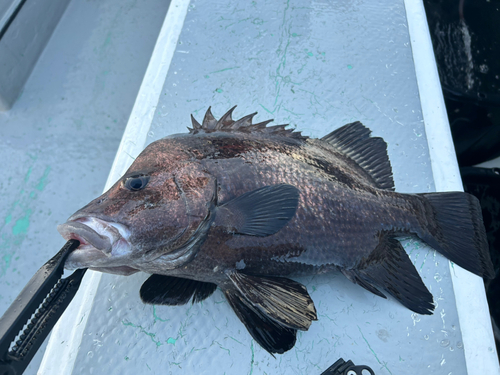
136 183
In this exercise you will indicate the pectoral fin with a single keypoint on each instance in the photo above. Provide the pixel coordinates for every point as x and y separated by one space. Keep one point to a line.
283 300
260 212
174 291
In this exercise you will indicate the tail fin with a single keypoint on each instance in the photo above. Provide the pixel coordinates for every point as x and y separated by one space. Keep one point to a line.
455 229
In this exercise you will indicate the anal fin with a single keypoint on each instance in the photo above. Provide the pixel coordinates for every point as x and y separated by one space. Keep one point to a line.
389 267
174 291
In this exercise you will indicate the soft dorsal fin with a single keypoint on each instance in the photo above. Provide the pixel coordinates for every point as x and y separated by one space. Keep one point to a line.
280 299
174 291
370 153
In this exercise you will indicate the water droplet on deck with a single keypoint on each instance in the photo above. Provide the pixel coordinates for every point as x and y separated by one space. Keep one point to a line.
151 134
438 277
426 337
460 345
445 343
415 317
90 354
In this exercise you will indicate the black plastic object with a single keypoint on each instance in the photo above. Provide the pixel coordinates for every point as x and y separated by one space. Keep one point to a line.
29 320
484 184
466 40
464 35
475 128
342 367
5 27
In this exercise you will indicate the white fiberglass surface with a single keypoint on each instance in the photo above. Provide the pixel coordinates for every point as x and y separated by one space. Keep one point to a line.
316 65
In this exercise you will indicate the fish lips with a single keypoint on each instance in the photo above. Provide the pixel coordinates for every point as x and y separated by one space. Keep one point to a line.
86 235
103 245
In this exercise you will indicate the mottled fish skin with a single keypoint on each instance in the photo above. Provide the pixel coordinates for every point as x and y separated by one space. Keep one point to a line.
244 206
338 204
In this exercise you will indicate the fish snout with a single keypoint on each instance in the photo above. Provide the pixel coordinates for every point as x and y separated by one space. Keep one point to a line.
100 241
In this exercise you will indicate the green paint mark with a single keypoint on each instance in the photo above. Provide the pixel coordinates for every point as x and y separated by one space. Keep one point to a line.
43 181
220 346
107 41
378 360
223 70
126 358
157 317
21 226
425 258
267 110
150 334
32 195
251 361
206 76
219 90
7 258
110 309
257 21
349 66
309 54
26 178
8 219
235 340
171 340
294 34
293 113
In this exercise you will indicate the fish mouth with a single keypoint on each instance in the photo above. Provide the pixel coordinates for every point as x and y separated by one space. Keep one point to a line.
104 245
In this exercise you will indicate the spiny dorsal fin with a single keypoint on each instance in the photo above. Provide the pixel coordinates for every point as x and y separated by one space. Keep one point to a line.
209 121
370 153
244 125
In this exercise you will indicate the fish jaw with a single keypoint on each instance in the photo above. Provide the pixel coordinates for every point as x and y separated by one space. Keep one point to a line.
104 246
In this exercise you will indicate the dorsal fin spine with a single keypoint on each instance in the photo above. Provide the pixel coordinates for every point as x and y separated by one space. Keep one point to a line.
244 125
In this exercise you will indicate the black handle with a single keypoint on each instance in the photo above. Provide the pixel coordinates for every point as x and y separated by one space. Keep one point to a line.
29 320
341 367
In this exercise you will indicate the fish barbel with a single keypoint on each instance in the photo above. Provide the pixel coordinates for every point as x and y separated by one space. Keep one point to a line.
246 206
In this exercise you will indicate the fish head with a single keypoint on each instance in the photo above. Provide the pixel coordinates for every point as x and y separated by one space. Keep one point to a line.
155 208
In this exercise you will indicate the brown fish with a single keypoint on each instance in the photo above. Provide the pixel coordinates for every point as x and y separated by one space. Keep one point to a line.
245 206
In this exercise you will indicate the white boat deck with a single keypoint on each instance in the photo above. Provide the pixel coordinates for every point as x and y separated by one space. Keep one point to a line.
315 65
